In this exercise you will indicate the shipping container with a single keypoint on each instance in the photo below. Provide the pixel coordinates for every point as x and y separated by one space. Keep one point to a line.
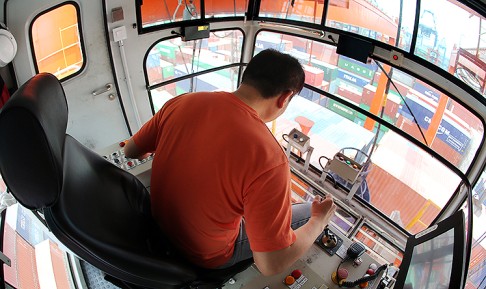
452 133
166 49
263 42
349 93
341 109
358 68
426 90
352 78
330 71
368 94
313 76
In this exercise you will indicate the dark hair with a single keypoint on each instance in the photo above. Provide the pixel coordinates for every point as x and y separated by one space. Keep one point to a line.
272 72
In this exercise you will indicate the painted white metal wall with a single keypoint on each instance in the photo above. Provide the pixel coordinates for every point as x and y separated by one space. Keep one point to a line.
96 121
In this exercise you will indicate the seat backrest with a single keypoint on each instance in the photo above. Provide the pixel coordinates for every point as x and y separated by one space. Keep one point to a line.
32 131
96 209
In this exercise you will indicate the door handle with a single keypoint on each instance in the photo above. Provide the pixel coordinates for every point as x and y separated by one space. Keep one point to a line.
106 88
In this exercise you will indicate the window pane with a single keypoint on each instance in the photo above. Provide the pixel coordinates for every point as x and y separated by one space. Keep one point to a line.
399 171
31 247
225 8
61 53
455 45
155 12
402 181
221 80
377 19
378 247
302 10
175 58
450 129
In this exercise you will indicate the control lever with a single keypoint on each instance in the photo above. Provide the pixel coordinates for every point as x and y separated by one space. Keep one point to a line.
329 240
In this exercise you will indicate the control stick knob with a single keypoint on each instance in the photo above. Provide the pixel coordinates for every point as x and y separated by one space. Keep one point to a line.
329 240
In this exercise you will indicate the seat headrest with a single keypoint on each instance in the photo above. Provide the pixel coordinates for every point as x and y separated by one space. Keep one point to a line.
32 131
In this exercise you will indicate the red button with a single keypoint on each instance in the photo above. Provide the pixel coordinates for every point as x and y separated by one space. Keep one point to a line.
370 271
342 273
122 144
296 274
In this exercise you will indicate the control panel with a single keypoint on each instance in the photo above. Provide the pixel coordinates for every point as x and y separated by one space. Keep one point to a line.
299 140
345 167
139 168
333 262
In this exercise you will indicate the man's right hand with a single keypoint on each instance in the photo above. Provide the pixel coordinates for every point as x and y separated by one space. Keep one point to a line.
323 209
271 263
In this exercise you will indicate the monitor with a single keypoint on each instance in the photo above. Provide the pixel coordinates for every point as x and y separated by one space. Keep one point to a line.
435 257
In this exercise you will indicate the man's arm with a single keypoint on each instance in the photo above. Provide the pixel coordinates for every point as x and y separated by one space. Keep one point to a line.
271 263
133 151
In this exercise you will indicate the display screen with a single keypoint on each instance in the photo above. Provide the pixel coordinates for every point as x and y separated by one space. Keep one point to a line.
431 263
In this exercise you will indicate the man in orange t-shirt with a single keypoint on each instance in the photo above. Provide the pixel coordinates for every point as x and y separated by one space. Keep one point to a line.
220 185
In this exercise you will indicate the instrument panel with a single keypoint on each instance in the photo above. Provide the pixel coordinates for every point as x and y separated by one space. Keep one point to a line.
317 269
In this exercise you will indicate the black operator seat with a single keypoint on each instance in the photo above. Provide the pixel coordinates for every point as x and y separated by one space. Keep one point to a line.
97 210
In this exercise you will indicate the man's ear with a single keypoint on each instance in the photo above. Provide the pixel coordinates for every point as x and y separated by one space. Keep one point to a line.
283 97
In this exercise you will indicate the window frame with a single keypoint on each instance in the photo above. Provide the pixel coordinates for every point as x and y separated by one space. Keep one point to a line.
185 23
81 38
149 87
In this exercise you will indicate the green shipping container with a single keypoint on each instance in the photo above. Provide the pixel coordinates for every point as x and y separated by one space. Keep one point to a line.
363 117
205 65
352 66
341 109
330 71
167 69
365 107
180 90
167 49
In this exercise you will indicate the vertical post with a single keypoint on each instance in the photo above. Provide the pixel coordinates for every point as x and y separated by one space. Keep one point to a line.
380 97
436 119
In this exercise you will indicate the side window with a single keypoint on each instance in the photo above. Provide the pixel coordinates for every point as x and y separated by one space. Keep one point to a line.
171 65
62 52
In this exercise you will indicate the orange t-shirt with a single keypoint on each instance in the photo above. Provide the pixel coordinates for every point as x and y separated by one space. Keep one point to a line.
215 163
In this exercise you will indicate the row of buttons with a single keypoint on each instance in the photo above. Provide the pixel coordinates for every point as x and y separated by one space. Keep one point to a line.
119 159
349 163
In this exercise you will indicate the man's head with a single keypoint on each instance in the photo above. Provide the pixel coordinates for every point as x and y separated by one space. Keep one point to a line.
273 73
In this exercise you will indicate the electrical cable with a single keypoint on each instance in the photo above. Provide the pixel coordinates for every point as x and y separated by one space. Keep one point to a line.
364 279
177 9
403 99
192 66
327 173
285 136
401 96
167 8
375 139
189 10
183 59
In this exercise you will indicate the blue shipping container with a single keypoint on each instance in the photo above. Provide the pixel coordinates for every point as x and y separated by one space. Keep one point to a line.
354 79
449 131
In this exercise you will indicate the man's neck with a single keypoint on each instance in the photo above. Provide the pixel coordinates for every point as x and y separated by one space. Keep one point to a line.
252 97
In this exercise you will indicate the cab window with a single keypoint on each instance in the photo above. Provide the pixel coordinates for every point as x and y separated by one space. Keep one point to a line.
61 52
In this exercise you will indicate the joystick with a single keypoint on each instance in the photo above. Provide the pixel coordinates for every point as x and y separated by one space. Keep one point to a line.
329 241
